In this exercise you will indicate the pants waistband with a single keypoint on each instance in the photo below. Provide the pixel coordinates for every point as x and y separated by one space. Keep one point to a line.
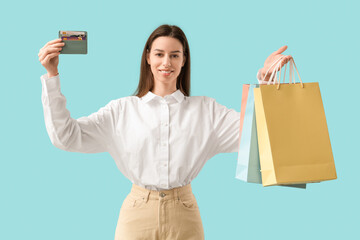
164 194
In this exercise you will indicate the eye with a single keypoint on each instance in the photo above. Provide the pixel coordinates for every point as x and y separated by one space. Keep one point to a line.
158 54
175 56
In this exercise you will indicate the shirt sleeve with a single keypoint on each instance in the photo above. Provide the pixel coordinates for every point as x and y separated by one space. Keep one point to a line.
226 125
89 134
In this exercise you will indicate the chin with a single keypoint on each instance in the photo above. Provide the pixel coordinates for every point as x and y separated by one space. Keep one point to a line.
166 80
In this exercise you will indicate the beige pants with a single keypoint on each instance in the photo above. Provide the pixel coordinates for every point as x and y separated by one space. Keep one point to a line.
162 215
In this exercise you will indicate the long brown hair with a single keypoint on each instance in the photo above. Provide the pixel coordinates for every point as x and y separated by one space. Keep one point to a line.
146 81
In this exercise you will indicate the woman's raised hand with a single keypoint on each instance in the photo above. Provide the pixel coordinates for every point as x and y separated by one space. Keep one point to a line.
271 59
49 56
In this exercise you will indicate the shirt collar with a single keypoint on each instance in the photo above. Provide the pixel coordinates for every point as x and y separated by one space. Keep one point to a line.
178 95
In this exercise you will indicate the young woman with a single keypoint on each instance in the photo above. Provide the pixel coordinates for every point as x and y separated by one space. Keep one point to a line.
160 137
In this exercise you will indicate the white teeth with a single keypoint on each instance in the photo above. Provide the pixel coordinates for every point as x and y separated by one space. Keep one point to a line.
165 71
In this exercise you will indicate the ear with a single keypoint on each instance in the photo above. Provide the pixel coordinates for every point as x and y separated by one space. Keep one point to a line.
148 56
184 61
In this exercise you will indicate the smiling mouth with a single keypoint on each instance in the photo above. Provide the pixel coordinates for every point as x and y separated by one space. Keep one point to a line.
162 71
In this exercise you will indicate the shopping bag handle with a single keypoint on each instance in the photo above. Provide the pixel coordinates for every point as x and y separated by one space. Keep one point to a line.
292 63
278 66
275 62
278 69
273 80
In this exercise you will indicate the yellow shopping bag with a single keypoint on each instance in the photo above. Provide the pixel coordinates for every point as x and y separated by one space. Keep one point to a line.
293 138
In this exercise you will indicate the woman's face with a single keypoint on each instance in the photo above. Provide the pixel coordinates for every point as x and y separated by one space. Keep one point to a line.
166 58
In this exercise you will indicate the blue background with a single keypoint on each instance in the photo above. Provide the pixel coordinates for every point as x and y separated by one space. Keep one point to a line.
47 193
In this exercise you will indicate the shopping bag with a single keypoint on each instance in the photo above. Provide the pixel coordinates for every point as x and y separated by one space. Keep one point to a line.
293 138
244 96
248 164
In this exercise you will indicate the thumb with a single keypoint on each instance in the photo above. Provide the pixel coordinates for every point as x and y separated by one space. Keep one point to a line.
280 50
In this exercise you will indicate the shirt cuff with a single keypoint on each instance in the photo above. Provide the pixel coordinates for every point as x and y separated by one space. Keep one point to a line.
50 84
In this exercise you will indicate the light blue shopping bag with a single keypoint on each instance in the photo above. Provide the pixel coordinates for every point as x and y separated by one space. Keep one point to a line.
248 165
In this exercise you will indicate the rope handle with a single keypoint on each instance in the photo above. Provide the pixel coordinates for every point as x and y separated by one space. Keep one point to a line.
273 76
275 72
278 70
292 64
275 62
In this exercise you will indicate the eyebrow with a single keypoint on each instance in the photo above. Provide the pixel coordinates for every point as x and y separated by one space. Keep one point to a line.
177 51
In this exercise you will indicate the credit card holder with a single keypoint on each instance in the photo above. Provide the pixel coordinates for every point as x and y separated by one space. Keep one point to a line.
75 42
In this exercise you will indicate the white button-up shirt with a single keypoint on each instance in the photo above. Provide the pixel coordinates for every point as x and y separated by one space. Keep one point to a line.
157 142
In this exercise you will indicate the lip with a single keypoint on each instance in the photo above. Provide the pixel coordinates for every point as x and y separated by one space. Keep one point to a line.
166 70
170 72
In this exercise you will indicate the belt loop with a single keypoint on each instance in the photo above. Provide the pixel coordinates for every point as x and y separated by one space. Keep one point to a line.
147 196
177 193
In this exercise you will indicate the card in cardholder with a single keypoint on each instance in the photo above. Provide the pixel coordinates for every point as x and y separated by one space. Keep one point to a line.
75 42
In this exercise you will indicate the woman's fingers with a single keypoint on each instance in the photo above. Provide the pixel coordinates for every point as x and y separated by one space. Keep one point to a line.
58 44
49 57
277 60
48 51
271 63
53 49
287 59
53 43
51 46
49 54
280 50
58 40
284 61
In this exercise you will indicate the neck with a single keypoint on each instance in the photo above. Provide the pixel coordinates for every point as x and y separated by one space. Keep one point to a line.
163 90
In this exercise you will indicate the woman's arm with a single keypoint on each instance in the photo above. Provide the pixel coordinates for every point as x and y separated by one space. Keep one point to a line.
89 134
226 126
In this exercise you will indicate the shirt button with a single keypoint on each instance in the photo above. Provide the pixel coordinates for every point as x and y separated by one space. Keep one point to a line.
165 124
164 144
165 165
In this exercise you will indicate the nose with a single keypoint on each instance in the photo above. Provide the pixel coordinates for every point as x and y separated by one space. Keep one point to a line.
166 61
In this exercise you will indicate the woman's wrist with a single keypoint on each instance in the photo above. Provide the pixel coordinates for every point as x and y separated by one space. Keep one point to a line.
52 74
262 75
